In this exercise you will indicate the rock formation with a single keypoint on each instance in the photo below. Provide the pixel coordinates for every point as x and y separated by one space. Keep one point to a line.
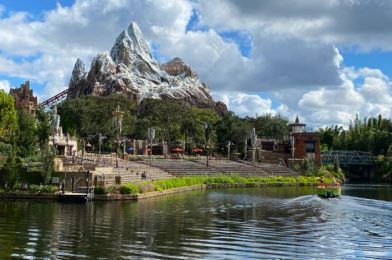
131 70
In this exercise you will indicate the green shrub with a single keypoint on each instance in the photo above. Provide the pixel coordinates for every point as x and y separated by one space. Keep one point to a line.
111 189
117 180
100 190
43 188
144 187
129 188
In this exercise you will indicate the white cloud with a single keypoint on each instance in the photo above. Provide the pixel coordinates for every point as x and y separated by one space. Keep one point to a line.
340 105
5 85
360 22
244 104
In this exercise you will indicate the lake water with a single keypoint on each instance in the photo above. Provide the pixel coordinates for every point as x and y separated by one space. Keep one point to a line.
277 223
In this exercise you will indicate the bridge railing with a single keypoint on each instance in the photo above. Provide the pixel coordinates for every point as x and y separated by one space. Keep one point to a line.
348 157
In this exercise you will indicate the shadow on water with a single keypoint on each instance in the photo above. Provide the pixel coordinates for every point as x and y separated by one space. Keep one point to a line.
215 224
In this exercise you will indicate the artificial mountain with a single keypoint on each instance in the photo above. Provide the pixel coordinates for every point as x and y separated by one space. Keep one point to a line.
131 70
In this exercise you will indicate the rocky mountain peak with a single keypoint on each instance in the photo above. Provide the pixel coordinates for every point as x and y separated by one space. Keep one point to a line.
79 72
131 70
176 67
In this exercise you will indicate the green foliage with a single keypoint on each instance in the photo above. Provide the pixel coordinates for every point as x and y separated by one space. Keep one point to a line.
234 129
43 188
33 177
270 126
5 150
384 166
111 189
100 190
10 171
8 118
43 128
174 120
117 180
26 135
224 180
129 188
372 135
89 115
46 154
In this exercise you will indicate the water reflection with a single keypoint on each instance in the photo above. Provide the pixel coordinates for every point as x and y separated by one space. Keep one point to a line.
214 224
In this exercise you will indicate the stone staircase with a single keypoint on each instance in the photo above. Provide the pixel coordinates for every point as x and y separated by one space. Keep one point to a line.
183 167
159 169
106 173
273 169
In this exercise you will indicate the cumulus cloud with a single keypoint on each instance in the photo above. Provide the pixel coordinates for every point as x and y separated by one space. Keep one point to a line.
5 85
365 23
340 105
246 104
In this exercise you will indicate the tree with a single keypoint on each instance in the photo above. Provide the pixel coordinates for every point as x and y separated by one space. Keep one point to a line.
26 135
370 135
8 127
234 129
43 133
8 119
89 116
269 126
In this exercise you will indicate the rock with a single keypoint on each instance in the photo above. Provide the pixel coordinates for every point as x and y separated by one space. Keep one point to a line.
131 70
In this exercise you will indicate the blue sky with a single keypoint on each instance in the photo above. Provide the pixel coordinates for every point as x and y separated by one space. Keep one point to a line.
326 61
35 8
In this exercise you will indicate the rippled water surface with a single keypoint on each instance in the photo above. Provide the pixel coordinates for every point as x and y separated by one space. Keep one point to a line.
278 223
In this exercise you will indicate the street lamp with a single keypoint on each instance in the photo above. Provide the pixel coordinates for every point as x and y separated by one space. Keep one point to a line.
55 126
207 136
228 149
117 116
151 136
253 140
100 137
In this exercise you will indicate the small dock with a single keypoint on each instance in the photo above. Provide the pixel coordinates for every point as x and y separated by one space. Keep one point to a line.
82 195
75 197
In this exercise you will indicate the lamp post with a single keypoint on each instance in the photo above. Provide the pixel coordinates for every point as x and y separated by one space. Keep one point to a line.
151 136
117 116
228 149
55 126
253 140
124 147
207 136
99 146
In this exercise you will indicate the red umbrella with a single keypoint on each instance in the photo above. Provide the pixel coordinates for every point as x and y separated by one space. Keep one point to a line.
177 150
197 150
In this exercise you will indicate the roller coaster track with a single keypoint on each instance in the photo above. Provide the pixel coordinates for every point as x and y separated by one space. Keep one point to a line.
54 100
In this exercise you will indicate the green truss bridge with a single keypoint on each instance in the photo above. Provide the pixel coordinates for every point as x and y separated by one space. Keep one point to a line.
348 158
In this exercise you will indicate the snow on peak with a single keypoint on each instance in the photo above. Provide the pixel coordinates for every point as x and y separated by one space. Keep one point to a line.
131 43
130 69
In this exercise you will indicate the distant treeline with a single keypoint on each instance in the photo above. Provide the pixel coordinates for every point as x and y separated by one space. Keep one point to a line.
174 121
372 135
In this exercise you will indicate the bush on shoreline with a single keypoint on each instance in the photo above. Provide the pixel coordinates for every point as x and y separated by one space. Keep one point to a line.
160 185
33 189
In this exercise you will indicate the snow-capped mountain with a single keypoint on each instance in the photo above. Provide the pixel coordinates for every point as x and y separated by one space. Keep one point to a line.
131 70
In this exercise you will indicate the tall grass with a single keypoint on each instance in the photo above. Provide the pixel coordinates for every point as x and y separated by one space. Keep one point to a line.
232 180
